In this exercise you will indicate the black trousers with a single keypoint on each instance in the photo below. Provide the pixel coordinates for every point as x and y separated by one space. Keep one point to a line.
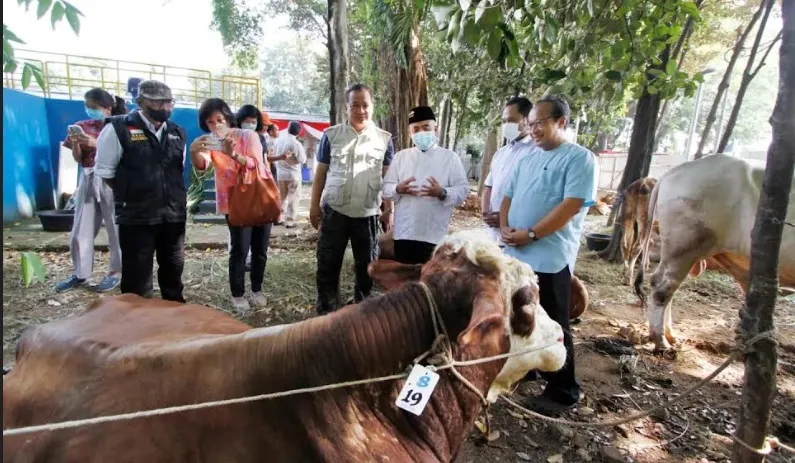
336 230
554 293
139 245
413 252
243 239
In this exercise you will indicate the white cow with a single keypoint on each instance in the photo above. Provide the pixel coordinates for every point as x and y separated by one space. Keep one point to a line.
705 208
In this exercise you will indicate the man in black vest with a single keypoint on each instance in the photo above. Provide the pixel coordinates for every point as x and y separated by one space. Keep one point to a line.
141 156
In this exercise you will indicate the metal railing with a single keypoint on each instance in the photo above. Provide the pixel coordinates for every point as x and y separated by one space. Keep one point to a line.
70 76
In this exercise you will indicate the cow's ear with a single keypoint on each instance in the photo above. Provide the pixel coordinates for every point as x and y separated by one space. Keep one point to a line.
390 275
486 331
523 318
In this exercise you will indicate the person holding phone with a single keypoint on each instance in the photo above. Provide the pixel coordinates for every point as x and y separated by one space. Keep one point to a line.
93 199
231 150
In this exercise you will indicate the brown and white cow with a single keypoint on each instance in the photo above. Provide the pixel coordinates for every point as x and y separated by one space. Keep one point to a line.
128 354
635 217
635 210
706 208
578 301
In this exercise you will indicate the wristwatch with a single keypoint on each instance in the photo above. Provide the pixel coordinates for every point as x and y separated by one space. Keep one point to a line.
443 195
532 235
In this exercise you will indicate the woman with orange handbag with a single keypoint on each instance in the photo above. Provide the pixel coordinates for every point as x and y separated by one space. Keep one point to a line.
236 155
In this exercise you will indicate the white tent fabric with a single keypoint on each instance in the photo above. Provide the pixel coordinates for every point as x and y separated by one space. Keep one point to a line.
313 132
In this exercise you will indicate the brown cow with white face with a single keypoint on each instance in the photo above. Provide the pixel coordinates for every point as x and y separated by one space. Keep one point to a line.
578 300
128 354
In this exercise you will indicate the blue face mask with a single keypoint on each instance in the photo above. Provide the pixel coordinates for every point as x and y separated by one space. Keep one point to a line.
95 114
424 140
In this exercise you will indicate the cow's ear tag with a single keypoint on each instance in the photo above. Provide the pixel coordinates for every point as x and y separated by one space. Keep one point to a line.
418 389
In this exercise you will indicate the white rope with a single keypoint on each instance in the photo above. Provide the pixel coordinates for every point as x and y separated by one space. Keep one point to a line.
240 400
738 351
328 387
274 395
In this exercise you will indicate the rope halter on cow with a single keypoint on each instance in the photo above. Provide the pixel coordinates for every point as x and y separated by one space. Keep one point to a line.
442 348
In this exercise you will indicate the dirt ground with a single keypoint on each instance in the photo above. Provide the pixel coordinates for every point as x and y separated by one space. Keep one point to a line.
614 385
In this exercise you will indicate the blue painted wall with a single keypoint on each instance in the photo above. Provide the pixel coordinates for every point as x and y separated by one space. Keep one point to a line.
33 129
28 176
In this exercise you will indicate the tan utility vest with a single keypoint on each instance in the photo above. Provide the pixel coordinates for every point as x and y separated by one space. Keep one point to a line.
353 182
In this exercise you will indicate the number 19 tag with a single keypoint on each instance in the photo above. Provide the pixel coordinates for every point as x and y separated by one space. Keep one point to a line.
417 391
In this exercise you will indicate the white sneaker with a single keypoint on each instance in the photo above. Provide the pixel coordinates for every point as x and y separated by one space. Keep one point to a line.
240 304
259 299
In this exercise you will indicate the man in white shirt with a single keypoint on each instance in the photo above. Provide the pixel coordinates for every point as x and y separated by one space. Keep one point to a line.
517 132
425 182
288 171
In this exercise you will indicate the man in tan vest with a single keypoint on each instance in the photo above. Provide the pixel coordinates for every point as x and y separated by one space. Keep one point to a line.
351 162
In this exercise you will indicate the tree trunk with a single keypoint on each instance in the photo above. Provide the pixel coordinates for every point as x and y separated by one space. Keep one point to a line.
492 144
641 146
658 132
448 122
408 87
759 385
724 83
460 120
748 75
338 59
679 53
444 120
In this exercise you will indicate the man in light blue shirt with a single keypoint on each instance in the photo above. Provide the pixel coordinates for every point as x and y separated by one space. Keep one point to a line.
541 219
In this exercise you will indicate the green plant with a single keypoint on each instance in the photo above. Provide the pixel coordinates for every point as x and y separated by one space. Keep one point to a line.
32 268
196 187
473 151
58 10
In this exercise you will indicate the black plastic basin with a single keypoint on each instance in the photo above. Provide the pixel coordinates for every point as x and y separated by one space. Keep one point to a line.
597 241
57 220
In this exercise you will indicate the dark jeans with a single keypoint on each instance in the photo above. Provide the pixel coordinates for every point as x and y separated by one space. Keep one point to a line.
413 252
139 245
554 292
273 171
243 239
335 232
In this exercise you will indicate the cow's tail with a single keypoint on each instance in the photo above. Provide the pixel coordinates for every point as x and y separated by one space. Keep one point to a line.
645 241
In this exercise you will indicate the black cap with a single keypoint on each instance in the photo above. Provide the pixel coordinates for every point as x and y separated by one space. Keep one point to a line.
421 113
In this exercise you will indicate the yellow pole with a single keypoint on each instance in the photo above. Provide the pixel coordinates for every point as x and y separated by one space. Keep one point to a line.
118 78
68 78
46 72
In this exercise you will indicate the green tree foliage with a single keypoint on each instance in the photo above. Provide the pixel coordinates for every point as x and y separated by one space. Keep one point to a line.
591 50
306 16
241 30
290 79
58 10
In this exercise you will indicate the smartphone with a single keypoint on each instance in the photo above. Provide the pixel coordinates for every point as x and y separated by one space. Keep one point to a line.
75 130
215 144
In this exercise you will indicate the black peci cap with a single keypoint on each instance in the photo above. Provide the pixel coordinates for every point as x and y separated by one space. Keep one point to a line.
421 113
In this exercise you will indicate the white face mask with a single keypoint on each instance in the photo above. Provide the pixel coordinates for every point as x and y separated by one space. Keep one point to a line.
249 126
221 130
510 130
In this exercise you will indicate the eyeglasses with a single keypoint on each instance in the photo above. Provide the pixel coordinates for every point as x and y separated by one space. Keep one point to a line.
539 124
160 103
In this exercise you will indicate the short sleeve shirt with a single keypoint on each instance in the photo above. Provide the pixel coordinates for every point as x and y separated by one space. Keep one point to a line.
541 181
